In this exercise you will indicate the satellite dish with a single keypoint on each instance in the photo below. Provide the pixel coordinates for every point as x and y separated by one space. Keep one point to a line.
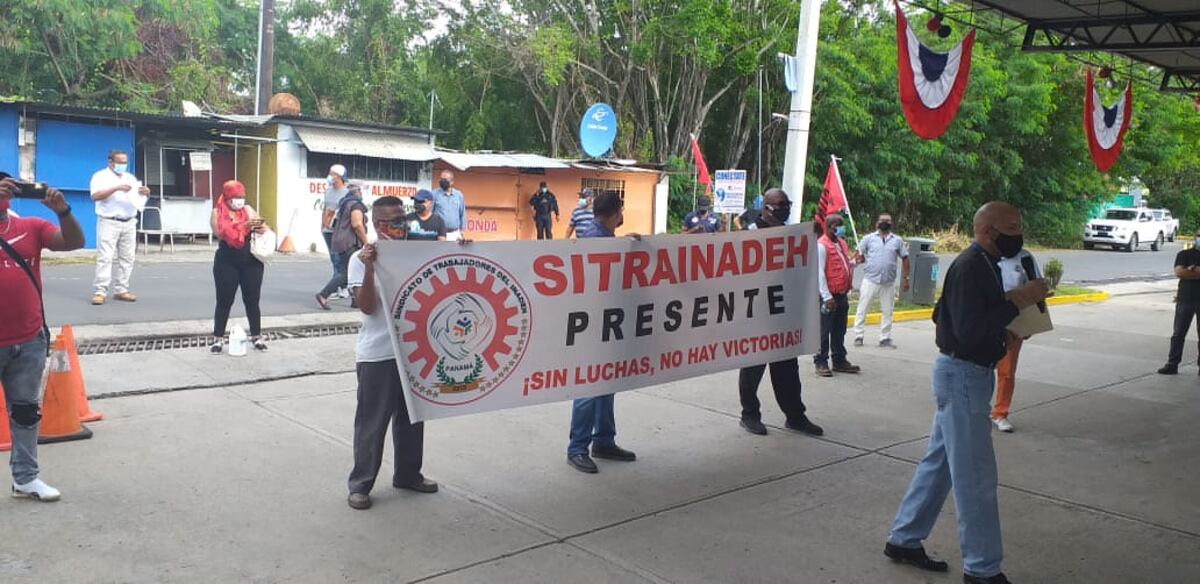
191 110
597 130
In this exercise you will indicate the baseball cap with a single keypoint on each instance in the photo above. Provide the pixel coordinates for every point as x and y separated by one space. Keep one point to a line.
338 169
423 195
587 193
703 202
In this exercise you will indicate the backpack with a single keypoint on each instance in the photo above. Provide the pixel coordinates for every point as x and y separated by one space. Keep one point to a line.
344 239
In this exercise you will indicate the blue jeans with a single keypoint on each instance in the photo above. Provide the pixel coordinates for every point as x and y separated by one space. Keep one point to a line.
960 456
21 369
592 422
333 257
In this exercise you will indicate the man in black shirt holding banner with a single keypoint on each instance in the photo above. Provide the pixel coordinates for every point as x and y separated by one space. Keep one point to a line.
1187 304
972 318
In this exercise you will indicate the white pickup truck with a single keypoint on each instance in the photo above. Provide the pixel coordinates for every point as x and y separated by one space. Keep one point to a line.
1172 224
1127 229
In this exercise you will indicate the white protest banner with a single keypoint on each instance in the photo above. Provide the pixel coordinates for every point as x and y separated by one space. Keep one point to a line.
488 326
729 190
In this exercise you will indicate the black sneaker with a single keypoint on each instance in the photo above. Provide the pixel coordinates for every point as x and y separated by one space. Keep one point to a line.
887 344
997 579
583 463
217 346
915 557
754 426
613 452
805 426
1168 370
858 341
847 368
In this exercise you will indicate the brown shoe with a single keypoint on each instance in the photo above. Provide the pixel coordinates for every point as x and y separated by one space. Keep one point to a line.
847 368
823 371
359 501
422 485
98 299
125 297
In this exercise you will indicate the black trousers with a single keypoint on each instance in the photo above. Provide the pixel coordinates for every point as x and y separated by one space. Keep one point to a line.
233 269
833 332
380 402
545 227
1185 313
339 274
785 379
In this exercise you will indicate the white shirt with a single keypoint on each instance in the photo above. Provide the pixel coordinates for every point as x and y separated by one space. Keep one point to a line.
1013 273
122 204
374 341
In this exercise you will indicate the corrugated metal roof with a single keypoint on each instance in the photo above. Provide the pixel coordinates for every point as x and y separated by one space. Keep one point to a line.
360 143
463 161
612 167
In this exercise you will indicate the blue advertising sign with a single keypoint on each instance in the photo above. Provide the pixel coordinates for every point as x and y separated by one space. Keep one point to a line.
598 130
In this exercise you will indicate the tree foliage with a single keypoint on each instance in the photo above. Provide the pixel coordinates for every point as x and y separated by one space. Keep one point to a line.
518 74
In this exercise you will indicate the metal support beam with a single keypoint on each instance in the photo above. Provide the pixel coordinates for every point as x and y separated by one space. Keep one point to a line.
1145 32
1181 81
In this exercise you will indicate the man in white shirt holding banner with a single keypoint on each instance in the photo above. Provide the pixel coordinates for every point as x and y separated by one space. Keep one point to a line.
119 196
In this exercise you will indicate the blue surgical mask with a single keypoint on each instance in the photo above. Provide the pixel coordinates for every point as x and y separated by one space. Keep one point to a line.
120 168
582 203
840 231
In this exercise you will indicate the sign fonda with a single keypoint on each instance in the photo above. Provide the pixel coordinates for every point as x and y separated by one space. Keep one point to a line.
597 130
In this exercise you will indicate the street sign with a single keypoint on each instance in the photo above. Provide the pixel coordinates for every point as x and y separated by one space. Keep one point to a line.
729 191
597 130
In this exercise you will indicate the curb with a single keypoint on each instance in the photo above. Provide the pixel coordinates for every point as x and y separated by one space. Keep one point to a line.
927 313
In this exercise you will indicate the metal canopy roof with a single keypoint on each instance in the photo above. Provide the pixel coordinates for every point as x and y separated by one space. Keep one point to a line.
1162 33
378 145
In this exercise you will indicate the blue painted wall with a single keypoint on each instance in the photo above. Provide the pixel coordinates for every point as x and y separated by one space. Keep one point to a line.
9 160
67 155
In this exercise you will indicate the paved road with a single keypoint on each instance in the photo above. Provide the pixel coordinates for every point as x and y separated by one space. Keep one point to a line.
184 291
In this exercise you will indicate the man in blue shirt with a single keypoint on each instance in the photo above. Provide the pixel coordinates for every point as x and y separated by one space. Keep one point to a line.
592 419
451 206
701 220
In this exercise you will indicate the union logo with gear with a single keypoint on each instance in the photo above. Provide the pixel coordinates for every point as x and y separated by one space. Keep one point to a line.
464 324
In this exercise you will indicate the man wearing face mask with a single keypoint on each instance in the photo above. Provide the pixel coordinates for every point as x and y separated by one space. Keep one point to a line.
702 220
972 317
423 225
880 252
118 196
835 279
582 217
593 422
544 202
451 206
785 374
335 189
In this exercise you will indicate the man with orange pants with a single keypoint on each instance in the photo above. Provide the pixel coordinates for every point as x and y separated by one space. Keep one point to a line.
1013 272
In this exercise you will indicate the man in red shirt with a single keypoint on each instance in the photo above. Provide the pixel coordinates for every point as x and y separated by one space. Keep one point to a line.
23 336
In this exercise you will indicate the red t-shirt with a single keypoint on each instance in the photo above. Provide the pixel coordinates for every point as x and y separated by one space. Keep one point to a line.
21 308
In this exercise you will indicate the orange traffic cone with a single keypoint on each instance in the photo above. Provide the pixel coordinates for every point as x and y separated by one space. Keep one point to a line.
286 246
85 412
60 412
5 435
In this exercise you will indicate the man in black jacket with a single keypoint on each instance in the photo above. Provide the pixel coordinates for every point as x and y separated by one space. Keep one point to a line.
544 202
972 318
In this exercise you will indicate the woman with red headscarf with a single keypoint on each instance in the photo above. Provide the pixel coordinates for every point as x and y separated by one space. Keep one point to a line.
234 266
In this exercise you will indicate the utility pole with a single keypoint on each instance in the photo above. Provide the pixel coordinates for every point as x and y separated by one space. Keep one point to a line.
800 112
265 71
432 98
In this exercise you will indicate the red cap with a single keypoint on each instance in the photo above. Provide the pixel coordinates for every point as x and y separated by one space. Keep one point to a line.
233 189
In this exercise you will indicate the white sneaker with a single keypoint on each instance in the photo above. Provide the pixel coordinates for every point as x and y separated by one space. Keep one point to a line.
1002 424
340 294
36 489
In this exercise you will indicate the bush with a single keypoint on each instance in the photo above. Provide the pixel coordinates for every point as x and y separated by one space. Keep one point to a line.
950 240
1053 270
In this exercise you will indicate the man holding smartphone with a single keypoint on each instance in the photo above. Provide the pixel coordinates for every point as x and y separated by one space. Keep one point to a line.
23 333
1187 304
119 196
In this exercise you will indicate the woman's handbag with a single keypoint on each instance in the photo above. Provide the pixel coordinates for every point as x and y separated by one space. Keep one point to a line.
262 245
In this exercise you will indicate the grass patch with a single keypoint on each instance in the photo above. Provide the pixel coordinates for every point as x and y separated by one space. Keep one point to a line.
69 260
1064 290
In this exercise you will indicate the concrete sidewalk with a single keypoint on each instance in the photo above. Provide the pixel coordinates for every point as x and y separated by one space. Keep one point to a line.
246 482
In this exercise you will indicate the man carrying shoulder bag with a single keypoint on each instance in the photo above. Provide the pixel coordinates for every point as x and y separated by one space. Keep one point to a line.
24 336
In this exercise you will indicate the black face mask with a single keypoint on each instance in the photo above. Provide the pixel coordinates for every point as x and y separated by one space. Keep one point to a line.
419 207
445 184
885 226
781 213
1010 245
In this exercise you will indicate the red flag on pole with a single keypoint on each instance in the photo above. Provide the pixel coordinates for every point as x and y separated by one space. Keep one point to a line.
833 197
702 175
